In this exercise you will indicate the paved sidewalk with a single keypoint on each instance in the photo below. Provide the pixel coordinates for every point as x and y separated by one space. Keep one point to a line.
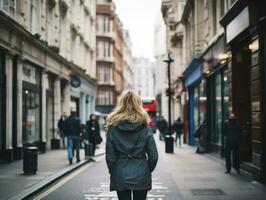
202 177
51 165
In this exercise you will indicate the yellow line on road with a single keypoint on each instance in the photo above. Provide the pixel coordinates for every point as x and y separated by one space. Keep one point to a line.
63 181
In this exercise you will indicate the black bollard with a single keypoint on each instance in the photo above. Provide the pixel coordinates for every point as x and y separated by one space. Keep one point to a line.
30 160
169 144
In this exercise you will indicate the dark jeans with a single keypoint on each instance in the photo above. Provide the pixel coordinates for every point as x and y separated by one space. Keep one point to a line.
73 144
228 151
93 149
178 137
137 194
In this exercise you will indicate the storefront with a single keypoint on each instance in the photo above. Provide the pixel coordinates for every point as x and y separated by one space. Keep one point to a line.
216 75
262 32
2 101
243 37
196 96
83 94
31 101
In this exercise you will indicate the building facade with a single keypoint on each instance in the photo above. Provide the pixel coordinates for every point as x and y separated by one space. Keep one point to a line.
109 56
175 36
128 62
224 56
144 77
160 54
47 59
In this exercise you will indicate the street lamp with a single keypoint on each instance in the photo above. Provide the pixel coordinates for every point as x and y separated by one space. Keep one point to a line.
170 144
169 61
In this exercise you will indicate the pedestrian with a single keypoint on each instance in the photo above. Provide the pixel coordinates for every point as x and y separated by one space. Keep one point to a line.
162 127
72 132
60 126
232 133
93 132
131 153
178 129
200 136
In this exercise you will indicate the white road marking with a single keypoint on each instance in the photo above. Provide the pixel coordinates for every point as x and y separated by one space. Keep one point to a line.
102 192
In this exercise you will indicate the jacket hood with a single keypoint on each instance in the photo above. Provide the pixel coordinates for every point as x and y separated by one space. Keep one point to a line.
129 126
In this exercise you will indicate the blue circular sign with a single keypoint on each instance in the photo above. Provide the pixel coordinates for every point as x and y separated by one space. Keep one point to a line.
75 81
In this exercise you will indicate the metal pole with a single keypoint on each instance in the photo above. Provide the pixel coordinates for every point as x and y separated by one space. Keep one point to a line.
169 61
169 99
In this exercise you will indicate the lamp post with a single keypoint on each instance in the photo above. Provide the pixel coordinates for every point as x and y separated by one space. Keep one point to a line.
169 61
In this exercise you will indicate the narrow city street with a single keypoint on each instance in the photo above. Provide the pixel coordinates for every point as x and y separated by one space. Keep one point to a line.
182 175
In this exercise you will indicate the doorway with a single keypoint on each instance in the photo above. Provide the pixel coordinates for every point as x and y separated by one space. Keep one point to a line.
241 63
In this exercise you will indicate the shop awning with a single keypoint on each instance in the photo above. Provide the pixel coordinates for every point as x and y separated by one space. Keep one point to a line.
194 71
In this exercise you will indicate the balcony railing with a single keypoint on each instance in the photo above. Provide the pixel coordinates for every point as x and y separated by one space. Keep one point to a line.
106 34
106 59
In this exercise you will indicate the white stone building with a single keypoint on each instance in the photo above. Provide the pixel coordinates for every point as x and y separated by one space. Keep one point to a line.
128 62
160 54
144 77
46 47
172 11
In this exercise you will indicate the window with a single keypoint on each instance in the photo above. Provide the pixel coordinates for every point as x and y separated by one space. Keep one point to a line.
214 25
13 6
31 74
218 110
33 16
10 6
105 97
31 116
196 107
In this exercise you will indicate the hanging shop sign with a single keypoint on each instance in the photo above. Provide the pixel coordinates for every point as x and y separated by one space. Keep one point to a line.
75 81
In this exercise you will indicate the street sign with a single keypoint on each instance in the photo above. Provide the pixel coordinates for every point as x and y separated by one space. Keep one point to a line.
75 81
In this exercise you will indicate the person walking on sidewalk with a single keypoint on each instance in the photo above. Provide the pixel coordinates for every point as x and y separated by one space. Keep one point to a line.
131 153
93 132
72 132
232 132
60 126
178 129
162 127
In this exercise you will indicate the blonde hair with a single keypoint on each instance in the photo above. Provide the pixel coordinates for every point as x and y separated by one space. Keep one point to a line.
129 108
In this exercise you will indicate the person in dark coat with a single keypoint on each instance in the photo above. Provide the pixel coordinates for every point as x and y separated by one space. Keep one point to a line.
60 126
131 153
162 127
200 136
178 129
232 132
93 132
72 132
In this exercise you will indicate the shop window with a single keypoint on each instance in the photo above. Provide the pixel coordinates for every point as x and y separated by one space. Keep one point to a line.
31 74
218 110
196 107
202 102
225 95
31 116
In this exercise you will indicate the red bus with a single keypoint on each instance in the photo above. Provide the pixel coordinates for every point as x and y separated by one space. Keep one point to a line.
150 106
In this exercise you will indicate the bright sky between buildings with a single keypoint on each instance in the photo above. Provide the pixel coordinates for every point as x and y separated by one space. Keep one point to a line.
138 16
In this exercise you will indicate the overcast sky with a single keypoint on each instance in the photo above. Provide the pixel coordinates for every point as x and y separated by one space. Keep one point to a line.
138 16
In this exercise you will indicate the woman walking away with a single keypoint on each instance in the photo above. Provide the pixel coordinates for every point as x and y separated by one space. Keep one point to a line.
93 132
131 153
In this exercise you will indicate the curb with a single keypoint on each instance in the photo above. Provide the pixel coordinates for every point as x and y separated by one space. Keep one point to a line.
30 192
